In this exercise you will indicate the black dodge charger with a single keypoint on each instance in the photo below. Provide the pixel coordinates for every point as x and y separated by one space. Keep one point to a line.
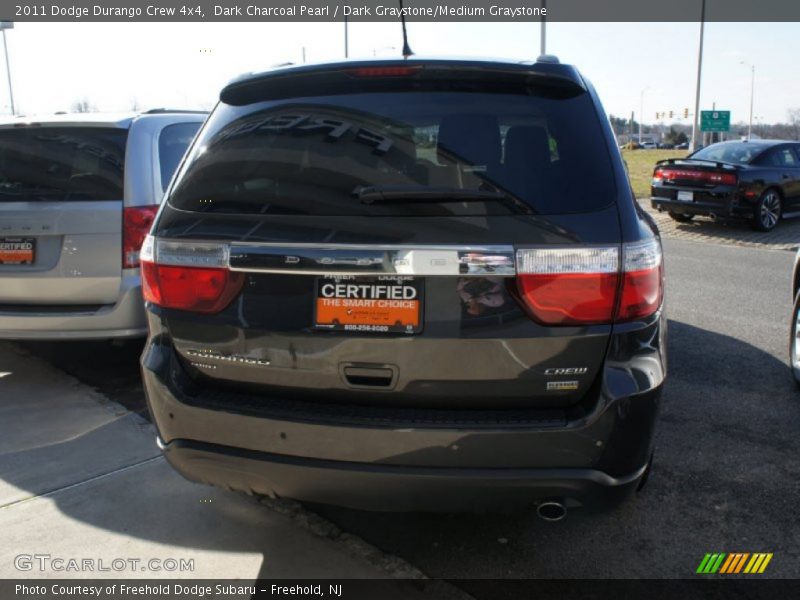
757 180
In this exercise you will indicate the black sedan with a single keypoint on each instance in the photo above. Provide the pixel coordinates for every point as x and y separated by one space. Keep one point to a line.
757 180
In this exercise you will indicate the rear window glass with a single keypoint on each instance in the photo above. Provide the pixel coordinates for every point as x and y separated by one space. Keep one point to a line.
172 144
416 152
61 163
739 152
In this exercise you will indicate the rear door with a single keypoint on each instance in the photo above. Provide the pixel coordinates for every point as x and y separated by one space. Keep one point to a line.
376 235
61 190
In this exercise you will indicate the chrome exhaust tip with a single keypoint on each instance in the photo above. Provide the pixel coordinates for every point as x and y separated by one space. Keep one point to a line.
551 510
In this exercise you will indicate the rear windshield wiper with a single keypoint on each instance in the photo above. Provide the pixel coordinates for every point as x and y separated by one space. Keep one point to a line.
408 194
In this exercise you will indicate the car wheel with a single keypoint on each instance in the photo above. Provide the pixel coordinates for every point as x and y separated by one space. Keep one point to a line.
681 217
768 211
794 341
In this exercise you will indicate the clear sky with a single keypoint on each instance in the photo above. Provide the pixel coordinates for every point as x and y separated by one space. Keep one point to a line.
184 65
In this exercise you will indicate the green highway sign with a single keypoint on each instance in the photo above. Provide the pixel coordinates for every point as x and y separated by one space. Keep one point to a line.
715 120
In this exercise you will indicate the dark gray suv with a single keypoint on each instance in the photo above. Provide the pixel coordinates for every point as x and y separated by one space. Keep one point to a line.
403 285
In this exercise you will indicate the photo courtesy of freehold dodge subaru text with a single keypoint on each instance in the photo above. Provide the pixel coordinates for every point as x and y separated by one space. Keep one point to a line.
366 273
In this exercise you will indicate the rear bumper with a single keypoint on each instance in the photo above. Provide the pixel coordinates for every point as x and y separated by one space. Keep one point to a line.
392 487
725 210
124 319
381 458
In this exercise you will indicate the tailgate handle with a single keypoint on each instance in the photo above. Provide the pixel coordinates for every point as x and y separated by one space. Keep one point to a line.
361 376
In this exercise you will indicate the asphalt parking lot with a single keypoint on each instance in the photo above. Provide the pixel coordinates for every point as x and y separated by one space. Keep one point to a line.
727 457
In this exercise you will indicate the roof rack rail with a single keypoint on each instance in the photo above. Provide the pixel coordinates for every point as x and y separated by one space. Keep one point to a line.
166 111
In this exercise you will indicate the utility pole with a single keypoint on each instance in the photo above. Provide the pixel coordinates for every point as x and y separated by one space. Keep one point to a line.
699 77
752 90
543 29
346 42
10 25
641 111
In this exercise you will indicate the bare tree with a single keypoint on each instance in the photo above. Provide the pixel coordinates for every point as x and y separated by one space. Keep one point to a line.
794 122
83 106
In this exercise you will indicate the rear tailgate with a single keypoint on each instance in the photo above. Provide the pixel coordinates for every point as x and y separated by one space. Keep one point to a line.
374 239
60 215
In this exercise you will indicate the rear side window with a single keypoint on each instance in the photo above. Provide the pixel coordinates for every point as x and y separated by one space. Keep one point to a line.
779 157
61 163
735 152
401 153
172 144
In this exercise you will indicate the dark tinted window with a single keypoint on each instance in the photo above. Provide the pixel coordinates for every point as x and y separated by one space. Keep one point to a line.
731 152
61 163
779 157
315 155
172 144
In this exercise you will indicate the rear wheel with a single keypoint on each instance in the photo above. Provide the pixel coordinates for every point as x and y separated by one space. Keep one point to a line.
767 211
794 341
681 217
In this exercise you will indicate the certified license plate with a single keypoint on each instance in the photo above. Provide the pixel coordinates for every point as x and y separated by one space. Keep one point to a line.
383 304
685 196
17 250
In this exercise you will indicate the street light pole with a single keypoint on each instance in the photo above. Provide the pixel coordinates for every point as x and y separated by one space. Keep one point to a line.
752 90
8 25
699 76
641 111
346 42
543 34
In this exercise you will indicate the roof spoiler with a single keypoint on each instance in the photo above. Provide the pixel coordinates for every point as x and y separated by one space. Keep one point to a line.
395 75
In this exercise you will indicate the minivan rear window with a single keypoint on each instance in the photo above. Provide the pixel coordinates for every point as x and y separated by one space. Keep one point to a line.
172 143
400 153
61 163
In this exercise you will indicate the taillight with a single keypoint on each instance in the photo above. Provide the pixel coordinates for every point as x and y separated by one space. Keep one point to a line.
590 285
136 222
188 276
706 177
642 282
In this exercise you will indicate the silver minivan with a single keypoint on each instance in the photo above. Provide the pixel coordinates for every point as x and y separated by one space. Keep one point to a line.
78 193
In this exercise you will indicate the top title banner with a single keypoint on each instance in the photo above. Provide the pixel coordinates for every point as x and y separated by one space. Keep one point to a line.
413 10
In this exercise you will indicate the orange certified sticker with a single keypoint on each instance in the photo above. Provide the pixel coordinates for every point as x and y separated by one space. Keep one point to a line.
17 251
377 305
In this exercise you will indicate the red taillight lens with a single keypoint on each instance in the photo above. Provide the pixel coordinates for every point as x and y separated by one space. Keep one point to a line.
642 281
195 289
705 177
585 286
188 276
570 298
136 222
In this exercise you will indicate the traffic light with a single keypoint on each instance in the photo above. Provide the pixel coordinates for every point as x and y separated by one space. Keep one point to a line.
685 113
671 113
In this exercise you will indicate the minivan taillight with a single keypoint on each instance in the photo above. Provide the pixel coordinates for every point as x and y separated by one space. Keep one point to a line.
136 222
590 285
188 276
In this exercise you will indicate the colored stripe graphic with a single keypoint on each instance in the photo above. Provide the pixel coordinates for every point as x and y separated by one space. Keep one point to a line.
734 563
711 563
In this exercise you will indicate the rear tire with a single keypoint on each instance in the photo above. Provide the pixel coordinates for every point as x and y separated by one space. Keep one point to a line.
680 217
767 211
794 341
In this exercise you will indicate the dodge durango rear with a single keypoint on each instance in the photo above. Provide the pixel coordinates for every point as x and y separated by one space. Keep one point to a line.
407 285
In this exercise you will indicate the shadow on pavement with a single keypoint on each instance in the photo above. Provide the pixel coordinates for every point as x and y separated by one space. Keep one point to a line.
725 479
